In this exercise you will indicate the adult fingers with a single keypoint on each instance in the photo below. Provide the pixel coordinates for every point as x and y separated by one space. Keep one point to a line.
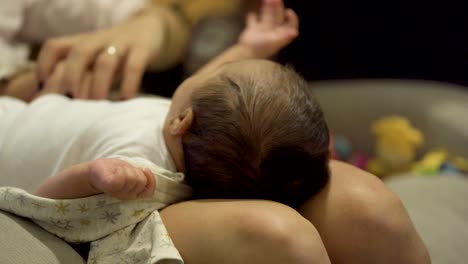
23 86
86 84
53 51
133 71
104 70
79 59
53 84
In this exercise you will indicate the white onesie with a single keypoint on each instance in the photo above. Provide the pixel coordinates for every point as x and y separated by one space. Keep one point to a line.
54 132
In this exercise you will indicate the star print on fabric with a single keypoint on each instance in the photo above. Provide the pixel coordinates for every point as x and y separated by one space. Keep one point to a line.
85 222
140 242
110 217
165 241
94 260
21 199
7 193
63 224
115 250
82 207
138 213
134 258
100 203
38 205
119 232
62 208
94 245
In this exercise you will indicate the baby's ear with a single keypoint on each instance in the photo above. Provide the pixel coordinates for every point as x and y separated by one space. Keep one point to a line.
181 124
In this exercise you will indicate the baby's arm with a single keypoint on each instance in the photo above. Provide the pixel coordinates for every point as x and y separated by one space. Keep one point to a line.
265 35
111 176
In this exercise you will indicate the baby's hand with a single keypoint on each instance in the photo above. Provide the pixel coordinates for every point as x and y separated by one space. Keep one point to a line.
270 30
120 179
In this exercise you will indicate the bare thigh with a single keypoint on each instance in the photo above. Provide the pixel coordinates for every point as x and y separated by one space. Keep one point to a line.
242 231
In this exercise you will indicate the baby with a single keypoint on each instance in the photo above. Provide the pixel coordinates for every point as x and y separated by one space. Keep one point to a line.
240 128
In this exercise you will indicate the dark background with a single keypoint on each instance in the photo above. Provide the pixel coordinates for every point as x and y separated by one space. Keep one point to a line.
347 39
381 39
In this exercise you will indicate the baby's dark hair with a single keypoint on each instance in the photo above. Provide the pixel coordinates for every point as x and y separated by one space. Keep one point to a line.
257 139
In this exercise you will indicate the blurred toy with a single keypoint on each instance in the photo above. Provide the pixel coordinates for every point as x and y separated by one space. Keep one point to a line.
342 147
461 163
397 142
431 163
439 161
331 148
449 168
360 160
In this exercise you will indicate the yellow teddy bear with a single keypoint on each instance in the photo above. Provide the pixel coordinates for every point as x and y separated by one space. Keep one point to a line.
397 142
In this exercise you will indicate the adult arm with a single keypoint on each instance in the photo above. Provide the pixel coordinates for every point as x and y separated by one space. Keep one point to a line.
154 36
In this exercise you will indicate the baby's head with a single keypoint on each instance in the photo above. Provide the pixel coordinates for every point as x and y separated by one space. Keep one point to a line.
257 132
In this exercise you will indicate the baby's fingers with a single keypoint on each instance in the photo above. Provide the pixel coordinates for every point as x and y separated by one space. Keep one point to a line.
252 19
284 36
135 182
292 20
150 185
272 12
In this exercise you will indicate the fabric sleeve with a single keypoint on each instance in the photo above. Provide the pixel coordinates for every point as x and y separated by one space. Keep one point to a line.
120 231
43 19
147 242
170 185
91 218
24 22
11 20
195 10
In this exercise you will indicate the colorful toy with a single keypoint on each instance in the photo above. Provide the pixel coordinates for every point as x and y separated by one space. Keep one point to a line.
360 160
342 147
396 145
449 168
439 161
331 148
431 163
460 163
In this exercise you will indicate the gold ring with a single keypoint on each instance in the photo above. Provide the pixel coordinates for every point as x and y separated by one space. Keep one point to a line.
111 50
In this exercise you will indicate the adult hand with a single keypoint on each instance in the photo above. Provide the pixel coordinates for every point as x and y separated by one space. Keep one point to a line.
22 86
270 30
25 85
117 54
54 84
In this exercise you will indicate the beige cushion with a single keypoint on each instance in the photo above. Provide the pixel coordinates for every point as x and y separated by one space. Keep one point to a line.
440 110
437 206
23 242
